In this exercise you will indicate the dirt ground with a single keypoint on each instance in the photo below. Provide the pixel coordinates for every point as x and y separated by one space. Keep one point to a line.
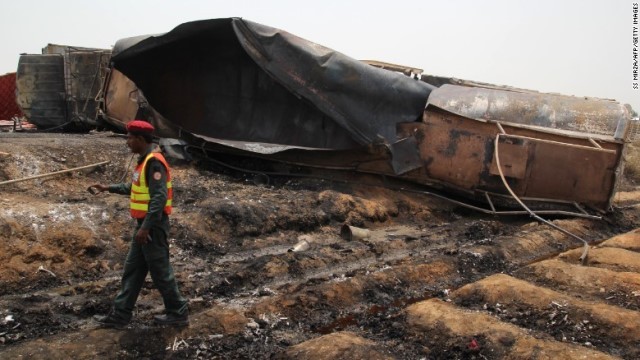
431 281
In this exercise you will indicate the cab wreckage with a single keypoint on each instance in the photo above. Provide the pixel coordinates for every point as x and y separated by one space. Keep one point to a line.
232 87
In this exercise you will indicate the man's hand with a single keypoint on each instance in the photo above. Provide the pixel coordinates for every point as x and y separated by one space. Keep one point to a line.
142 236
97 188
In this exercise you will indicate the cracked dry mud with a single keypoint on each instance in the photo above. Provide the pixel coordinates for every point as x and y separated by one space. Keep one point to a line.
433 281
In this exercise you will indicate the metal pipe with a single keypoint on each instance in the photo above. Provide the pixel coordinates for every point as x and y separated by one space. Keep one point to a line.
585 251
351 233
500 127
560 143
53 173
595 143
489 201
498 212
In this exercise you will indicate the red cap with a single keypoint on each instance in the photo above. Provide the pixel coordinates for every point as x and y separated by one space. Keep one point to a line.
139 126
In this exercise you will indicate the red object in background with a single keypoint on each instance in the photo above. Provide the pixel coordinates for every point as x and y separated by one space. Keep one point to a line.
473 345
8 106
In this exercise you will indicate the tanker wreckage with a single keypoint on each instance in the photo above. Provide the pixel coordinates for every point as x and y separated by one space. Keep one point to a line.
232 87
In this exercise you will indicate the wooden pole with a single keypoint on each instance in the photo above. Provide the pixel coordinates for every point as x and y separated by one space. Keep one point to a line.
53 173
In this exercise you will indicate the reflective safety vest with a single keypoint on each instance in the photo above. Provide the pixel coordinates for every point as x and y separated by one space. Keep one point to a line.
140 197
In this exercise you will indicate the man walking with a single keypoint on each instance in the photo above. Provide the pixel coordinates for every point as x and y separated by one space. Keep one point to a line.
151 195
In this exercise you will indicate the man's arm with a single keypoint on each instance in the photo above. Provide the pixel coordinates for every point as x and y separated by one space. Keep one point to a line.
122 189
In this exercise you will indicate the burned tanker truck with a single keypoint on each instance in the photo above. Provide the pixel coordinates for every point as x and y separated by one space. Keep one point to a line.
226 88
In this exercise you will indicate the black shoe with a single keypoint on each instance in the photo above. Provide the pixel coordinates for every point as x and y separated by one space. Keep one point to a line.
111 321
172 319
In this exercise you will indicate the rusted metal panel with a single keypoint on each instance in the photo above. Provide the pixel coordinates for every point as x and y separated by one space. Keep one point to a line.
582 175
86 71
514 160
458 153
8 106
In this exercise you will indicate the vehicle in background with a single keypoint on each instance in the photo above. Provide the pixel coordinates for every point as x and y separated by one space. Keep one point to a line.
234 87
57 90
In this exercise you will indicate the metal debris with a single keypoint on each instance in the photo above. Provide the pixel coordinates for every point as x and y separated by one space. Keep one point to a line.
302 245
41 268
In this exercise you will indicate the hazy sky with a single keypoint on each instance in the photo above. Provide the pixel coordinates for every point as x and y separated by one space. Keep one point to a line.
581 48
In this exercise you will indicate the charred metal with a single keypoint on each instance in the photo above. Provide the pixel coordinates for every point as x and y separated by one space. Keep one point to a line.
232 86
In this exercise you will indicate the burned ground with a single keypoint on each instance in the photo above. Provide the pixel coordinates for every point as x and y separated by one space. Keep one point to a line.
431 280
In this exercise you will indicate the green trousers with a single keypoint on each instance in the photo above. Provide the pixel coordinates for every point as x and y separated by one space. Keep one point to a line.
153 258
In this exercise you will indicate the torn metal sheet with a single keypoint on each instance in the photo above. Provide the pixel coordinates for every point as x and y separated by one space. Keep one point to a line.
405 70
121 101
175 148
404 155
238 80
